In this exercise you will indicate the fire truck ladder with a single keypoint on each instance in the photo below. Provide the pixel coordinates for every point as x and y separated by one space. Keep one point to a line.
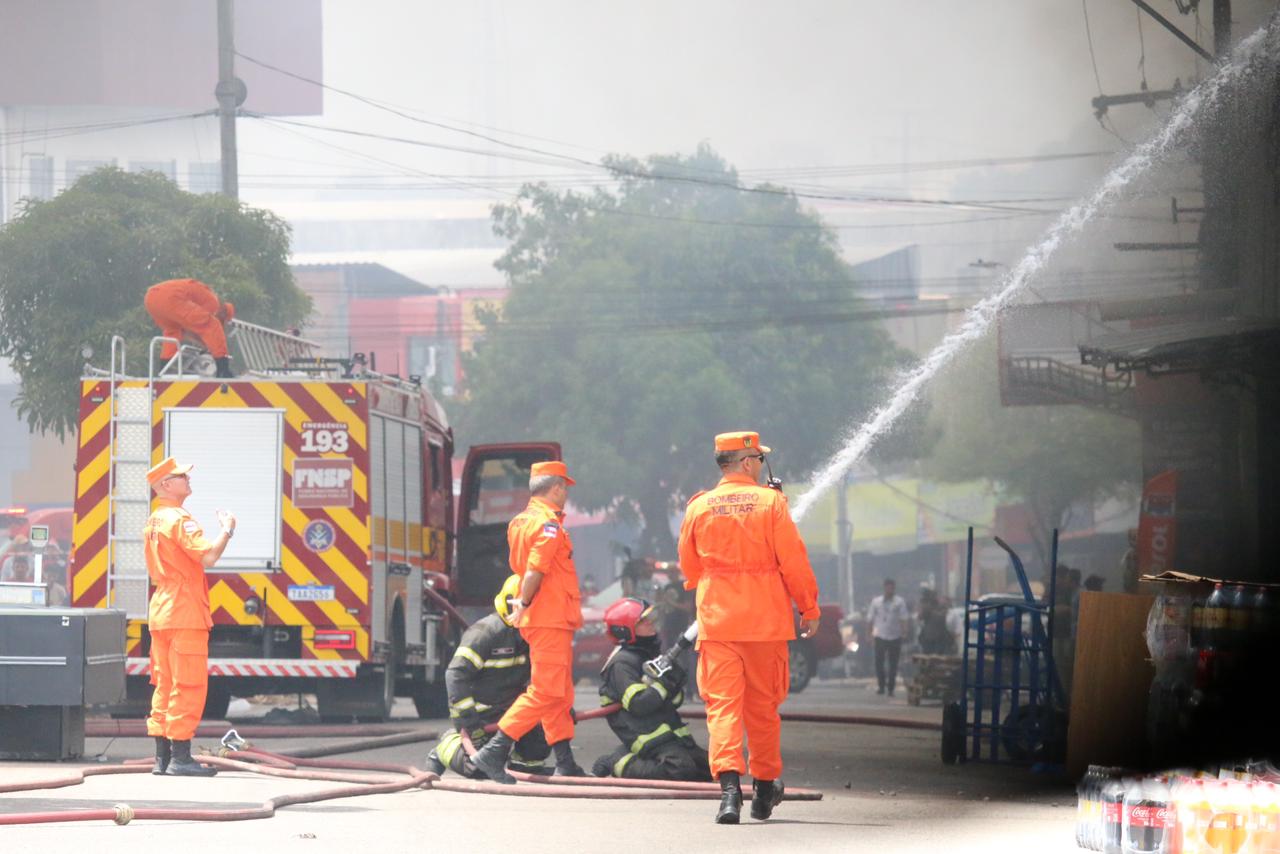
128 494
263 350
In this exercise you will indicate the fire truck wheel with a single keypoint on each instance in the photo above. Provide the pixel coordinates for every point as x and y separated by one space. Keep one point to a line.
431 701
215 704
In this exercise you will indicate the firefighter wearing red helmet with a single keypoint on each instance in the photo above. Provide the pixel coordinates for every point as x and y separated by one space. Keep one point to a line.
656 744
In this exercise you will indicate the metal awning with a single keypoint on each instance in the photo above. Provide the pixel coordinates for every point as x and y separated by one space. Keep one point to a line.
1231 343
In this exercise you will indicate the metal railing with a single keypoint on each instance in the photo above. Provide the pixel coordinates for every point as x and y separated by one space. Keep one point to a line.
263 350
1058 382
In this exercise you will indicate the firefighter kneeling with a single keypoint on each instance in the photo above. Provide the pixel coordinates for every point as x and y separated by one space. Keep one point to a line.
656 743
489 670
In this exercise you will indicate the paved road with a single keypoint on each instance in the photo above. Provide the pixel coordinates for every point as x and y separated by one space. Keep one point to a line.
885 791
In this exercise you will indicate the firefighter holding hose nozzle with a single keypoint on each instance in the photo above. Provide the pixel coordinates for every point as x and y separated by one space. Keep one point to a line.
656 744
489 670
740 549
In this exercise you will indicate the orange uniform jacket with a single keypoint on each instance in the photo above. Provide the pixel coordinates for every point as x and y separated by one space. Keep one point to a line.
539 542
174 545
187 304
740 548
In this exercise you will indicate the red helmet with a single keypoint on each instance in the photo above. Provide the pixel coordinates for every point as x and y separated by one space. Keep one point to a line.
621 617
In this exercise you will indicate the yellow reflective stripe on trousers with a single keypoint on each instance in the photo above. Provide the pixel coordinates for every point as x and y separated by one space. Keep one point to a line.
606 701
469 654
464 703
660 688
449 747
630 694
506 662
641 741
683 732
621 764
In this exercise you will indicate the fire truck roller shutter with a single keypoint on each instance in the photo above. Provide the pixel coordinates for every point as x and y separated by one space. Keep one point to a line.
238 467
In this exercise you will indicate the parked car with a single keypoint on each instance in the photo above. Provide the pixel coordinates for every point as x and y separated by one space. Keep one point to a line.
592 643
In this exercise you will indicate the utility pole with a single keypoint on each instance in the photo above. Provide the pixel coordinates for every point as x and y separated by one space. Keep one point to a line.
844 543
231 93
1222 27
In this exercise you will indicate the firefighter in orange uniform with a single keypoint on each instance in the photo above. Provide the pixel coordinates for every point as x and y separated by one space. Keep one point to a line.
189 305
178 617
547 612
740 549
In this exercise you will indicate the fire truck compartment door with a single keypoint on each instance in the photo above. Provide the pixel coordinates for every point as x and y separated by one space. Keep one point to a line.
238 467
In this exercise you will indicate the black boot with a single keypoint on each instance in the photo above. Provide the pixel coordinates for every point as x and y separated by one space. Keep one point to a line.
604 766
730 798
566 766
434 765
491 760
224 368
182 765
768 794
163 754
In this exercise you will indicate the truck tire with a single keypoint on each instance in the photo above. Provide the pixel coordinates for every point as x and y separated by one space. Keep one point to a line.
369 697
953 732
431 701
216 703
804 663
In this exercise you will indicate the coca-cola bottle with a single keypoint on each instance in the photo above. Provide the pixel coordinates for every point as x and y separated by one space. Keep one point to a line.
1148 818
1263 622
1089 806
1215 620
1084 803
1239 617
1113 815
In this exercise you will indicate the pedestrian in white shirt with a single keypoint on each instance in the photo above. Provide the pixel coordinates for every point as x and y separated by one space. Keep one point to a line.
888 619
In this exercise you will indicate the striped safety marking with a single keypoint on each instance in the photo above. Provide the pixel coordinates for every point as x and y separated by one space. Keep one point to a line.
344 565
260 667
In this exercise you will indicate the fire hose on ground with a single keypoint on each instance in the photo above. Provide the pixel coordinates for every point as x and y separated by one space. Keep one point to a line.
359 776
307 764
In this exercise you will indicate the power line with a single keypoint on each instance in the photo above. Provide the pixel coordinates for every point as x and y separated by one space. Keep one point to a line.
658 176
13 138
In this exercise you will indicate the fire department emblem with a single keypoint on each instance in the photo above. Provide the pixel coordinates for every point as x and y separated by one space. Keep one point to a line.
319 536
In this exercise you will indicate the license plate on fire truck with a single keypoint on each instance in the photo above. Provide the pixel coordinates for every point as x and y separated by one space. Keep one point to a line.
310 593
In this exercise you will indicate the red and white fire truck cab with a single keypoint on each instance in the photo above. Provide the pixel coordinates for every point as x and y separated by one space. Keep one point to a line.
351 574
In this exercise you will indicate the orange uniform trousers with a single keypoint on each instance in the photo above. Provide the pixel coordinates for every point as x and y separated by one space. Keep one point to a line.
549 698
743 683
175 312
180 672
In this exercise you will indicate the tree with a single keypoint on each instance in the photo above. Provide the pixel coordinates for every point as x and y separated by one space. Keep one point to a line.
74 270
1048 456
642 321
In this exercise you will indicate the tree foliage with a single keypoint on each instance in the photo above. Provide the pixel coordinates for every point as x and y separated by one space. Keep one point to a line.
1048 456
642 321
74 270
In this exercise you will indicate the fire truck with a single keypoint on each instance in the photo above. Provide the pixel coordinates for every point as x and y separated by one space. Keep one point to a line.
354 567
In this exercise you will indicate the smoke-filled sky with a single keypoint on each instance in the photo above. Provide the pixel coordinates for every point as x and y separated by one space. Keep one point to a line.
769 85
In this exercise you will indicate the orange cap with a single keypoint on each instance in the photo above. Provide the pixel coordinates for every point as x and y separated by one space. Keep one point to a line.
552 467
166 468
740 441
